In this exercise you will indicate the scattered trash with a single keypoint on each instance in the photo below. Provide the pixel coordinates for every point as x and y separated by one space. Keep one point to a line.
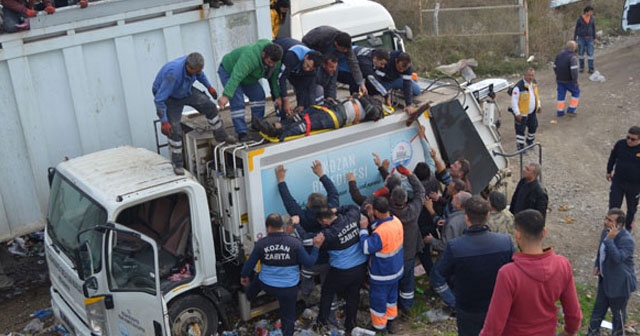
563 208
463 66
597 77
606 325
357 331
42 313
436 315
568 220
553 121
34 326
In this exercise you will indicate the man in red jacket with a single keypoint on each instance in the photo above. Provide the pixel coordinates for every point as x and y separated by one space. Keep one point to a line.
16 12
526 290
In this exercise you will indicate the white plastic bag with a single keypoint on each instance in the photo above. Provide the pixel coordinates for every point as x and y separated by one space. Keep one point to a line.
597 77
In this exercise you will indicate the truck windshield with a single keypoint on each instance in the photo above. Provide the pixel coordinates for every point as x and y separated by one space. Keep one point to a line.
71 211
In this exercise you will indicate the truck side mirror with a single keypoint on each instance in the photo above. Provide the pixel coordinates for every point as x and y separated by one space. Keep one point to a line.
373 41
407 32
89 287
85 267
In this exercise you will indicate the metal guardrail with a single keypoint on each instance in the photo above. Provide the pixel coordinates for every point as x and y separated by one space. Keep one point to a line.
521 152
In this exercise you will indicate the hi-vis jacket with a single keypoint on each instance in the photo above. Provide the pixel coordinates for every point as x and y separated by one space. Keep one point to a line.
521 100
384 246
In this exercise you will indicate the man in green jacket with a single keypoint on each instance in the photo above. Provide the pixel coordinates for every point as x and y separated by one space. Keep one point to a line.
240 72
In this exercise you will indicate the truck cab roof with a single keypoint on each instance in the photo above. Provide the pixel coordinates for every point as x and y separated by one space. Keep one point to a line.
112 175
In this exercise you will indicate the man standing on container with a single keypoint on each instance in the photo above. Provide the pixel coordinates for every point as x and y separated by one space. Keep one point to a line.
327 39
240 72
625 180
172 90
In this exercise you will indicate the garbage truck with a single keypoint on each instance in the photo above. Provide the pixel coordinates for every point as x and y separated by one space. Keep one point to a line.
134 249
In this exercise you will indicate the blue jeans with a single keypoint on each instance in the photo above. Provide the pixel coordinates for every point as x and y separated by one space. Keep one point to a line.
440 286
585 45
257 102
603 303
397 84
407 286
469 324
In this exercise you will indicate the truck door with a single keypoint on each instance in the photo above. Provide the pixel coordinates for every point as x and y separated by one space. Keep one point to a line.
134 304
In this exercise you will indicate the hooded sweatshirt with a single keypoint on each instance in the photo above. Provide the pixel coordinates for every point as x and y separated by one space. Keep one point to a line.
524 297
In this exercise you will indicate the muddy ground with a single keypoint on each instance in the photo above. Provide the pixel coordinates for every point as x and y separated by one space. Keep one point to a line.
575 152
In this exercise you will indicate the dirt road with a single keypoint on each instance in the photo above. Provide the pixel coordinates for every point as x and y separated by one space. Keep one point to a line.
575 152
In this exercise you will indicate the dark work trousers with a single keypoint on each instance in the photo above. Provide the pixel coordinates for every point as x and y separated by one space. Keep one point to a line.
630 192
603 303
287 298
527 123
469 324
346 282
11 20
346 77
199 101
304 88
425 258
407 286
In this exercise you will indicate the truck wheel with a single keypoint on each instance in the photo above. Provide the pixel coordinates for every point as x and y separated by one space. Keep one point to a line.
193 310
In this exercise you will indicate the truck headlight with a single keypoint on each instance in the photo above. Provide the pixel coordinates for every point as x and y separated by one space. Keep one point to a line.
96 315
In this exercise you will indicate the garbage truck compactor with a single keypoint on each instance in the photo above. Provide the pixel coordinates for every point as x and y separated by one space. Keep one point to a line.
135 250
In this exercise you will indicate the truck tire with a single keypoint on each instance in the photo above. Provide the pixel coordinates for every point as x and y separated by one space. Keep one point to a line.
190 310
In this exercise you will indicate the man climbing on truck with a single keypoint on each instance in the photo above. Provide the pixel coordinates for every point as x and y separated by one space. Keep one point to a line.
240 72
299 64
327 39
172 90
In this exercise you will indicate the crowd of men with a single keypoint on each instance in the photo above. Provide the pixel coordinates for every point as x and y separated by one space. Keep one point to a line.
312 67
385 232
489 289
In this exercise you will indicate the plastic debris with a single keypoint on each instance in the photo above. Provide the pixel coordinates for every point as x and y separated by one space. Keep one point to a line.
42 313
34 326
436 315
597 77
357 331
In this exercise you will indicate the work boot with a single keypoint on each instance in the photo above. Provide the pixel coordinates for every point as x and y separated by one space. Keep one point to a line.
178 170
227 2
581 70
221 135
591 71
265 127
392 327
